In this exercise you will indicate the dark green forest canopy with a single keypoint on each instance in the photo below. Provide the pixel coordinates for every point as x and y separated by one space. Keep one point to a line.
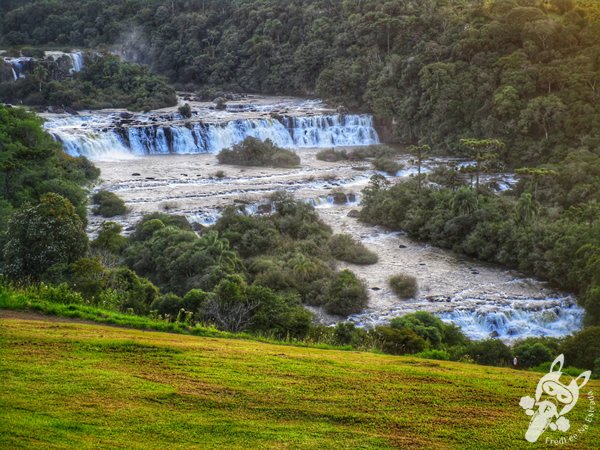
435 71
32 164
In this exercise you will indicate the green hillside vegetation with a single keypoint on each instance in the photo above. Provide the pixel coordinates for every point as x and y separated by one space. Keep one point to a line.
104 82
73 384
32 164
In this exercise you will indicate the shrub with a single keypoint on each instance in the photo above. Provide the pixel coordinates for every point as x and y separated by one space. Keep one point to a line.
583 349
332 155
185 110
167 305
220 103
108 204
220 174
404 286
347 294
490 352
399 341
532 352
346 333
60 294
254 152
345 248
387 165
440 355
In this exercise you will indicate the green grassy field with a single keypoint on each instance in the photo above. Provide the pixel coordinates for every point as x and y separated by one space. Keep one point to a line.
70 384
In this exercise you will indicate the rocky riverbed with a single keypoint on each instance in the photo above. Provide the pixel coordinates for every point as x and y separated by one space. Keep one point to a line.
485 300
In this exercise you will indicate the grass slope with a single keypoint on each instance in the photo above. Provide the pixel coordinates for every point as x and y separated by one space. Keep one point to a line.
70 384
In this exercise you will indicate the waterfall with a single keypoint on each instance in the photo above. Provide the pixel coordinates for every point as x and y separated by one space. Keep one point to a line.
332 130
517 322
18 66
76 61
96 137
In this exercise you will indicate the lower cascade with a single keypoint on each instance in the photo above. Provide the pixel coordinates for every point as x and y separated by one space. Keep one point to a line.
81 135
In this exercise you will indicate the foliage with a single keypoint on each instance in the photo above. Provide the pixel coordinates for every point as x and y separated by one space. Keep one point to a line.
32 164
104 82
108 204
387 165
532 352
583 349
404 286
345 248
43 235
254 152
490 352
399 341
185 110
547 230
346 294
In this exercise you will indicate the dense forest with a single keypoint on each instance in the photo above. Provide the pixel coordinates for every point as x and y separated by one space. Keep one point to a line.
434 71
104 82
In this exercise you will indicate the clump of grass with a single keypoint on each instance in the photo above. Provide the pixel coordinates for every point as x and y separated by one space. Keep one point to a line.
108 204
169 205
404 286
345 248
387 165
220 174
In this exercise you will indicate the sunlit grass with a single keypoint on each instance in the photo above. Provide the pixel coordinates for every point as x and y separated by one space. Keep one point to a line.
80 385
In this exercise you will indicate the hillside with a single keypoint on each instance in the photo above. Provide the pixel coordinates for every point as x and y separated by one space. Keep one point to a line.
66 383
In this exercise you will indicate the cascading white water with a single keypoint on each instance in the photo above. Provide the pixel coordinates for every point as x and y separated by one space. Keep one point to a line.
332 130
94 137
516 322
76 61
18 64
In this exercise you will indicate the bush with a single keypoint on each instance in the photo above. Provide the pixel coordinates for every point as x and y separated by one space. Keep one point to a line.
440 355
532 352
399 341
387 165
346 295
60 294
583 349
404 286
345 248
185 110
167 305
254 152
220 103
108 204
346 333
490 352
332 155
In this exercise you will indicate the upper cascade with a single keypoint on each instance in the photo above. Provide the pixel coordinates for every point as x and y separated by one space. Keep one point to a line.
297 125
58 62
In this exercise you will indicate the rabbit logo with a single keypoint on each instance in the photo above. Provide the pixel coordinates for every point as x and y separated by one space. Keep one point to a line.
553 400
